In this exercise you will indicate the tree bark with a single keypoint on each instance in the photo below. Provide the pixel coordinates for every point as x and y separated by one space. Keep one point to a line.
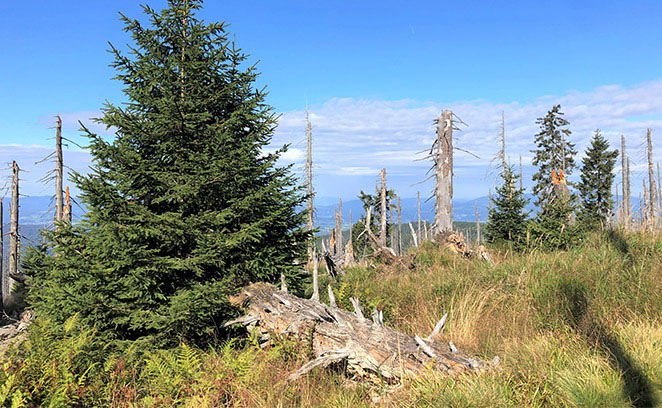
382 230
443 160
14 238
59 171
339 239
626 196
369 348
477 225
309 169
652 196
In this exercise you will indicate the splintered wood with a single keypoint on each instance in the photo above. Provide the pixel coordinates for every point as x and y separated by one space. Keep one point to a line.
369 348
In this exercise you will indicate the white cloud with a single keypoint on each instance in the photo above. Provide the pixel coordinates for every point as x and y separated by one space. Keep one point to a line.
354 138
371 134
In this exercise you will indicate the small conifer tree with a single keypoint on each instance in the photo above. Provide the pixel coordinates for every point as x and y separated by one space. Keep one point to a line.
184 205
597 177
507 219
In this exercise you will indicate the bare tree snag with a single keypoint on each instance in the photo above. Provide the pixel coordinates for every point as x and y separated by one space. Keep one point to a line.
349 247
477 224
400 223
332 298
419 230
382 230
369 349
413 235
339 244
375 243
521 175
14 238
502 153
626 193
309 171
316 289
628 199
652 194
59 171
4 275
443 163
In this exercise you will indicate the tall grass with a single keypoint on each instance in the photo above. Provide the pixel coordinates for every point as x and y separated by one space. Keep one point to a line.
576 328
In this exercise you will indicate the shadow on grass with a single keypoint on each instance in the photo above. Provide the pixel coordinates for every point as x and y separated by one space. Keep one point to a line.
618 240
635 383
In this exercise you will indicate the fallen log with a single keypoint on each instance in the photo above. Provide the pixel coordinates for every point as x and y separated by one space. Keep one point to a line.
369 348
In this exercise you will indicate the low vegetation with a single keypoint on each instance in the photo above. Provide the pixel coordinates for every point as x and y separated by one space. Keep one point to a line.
575 328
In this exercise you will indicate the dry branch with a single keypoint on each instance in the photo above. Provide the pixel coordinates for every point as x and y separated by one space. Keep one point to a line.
369 349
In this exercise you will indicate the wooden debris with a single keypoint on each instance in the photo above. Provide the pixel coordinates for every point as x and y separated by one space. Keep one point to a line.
369 349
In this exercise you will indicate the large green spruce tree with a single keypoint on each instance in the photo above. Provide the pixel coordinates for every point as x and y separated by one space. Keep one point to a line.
553 152
507 219
184 204
597 177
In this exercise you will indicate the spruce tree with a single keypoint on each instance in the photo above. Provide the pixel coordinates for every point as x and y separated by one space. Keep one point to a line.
507 219
553 152
597 177
184 204
553 227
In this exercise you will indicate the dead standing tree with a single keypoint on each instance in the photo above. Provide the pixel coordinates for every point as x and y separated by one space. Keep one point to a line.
59 171
309 170
443 170
652 193
441 153
625 206
382 199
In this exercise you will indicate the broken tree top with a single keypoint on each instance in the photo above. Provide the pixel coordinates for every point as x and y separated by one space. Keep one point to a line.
368 347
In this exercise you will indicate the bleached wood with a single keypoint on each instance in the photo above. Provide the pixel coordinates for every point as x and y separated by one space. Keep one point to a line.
332 297
443 164
316 290
372 350
59 171
382 197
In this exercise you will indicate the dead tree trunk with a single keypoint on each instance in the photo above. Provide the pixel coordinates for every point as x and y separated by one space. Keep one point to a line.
477 224
443 162
418 232
14 238
369 348
316 289
652 196
626 196
349 248
59 171
503 141
309 169
4 276
521 175
339 241
382 231
400 225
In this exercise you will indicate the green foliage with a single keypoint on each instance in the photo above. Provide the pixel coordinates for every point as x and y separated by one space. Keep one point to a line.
554 226
572 328
184 206
553 152
507 219
597 178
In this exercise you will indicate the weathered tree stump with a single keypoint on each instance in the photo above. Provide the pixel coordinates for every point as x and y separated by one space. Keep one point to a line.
369 348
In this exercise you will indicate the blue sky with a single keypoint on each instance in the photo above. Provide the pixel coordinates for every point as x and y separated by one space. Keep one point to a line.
375 74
